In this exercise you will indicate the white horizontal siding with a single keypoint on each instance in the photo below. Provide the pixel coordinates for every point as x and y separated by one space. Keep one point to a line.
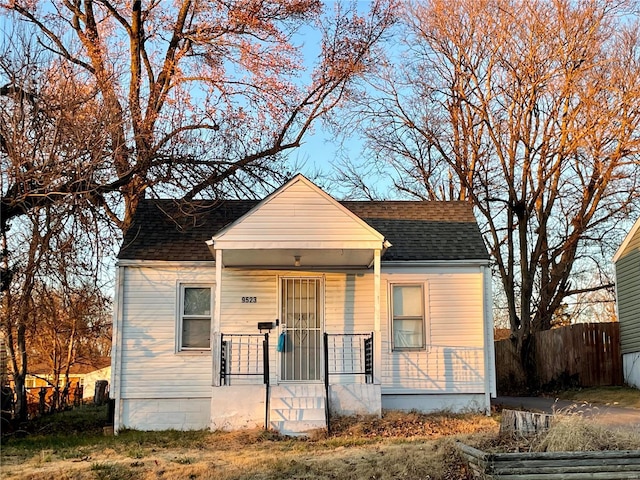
628 293
453 361
348 299
349 302
151 368
237 317
311 217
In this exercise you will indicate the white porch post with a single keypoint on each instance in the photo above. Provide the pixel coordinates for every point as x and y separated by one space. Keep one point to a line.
377 345
215 324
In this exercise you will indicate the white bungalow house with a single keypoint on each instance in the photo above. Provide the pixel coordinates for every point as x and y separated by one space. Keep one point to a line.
627 268
282 312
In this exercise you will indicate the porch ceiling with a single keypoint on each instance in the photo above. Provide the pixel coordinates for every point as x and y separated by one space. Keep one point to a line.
308 258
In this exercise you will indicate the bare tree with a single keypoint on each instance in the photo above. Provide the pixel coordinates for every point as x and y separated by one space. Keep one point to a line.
55 308
194 98
102 103
69 321
528 110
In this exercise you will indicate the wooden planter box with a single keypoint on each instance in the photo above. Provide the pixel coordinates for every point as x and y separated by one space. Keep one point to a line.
606 465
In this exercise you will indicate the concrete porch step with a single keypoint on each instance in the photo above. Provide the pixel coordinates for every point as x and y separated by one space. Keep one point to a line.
297 428
281 403
298 414
295 409
297 390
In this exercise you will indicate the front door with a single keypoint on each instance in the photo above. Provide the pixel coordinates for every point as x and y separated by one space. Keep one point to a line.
301 322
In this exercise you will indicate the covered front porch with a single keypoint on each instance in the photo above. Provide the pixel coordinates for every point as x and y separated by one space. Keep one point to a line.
306 355
248 396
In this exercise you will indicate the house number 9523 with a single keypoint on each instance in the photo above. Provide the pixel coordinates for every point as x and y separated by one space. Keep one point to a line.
249 299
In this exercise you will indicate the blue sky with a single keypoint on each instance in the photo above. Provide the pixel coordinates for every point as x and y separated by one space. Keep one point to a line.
320 148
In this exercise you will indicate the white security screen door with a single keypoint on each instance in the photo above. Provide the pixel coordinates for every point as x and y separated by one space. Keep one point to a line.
301 319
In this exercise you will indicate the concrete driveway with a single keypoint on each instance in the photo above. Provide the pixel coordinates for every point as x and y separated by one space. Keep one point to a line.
605 414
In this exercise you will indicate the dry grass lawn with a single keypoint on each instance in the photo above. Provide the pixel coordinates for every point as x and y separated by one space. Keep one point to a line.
568 433
616 396
411 446
396 446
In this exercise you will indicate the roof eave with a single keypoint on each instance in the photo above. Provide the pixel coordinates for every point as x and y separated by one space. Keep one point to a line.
626 241
480 262
128 262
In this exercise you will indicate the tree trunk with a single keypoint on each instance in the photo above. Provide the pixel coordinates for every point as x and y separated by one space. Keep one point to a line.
20 374
526 350
21 411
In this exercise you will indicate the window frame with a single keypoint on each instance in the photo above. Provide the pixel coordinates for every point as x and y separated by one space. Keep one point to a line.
392 317
180 317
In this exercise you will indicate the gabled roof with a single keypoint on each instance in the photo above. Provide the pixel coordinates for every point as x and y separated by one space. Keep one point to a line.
168 230
298 215
424 230
177 231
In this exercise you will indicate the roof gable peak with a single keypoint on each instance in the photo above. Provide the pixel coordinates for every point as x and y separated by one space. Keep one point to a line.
298 209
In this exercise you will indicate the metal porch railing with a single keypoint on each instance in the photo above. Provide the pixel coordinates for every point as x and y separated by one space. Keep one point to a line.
245 355
347 354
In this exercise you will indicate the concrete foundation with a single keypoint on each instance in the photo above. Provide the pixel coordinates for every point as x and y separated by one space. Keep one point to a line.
631 369
165 414
426 403
355 399
238 406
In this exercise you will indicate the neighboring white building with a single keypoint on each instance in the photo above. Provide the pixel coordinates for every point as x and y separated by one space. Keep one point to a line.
85 373
90 379
300 307
627 266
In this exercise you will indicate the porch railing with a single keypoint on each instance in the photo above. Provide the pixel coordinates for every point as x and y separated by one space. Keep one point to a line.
347 354
246 355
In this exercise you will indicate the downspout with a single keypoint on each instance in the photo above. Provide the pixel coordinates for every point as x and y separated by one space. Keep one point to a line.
116 349
377 339
489 352
216 340
215 327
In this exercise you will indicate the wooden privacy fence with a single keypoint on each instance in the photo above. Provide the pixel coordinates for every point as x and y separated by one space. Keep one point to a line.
586 355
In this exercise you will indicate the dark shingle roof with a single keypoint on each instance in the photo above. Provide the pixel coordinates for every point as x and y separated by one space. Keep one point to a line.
170 230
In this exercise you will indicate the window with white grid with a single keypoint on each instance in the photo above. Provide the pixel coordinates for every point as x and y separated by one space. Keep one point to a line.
408 317
195 317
